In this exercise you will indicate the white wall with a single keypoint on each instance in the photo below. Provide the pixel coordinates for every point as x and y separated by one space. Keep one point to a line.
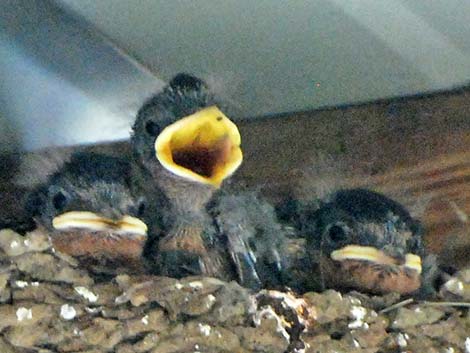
275 55
74 76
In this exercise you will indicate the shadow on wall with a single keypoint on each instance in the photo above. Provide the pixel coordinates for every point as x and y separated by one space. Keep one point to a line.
63 83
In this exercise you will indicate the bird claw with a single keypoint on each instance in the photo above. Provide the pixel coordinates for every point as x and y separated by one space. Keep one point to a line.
246 269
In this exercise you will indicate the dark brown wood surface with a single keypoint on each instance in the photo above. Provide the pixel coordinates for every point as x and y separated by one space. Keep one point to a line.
415 150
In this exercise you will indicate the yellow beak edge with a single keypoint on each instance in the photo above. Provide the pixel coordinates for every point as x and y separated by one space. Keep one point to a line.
371 254
203 147
93 222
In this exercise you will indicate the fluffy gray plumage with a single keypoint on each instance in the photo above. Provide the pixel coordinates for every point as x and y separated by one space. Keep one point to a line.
359 217
255 238
87 182
233 236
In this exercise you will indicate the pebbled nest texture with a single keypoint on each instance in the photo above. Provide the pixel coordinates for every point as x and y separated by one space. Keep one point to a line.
49 304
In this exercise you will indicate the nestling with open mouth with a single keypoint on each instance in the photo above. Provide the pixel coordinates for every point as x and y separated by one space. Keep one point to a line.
188 147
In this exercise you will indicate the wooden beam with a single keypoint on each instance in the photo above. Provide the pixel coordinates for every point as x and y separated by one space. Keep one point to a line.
415 150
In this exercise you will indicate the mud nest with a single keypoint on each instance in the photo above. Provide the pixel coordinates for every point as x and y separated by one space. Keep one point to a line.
49 304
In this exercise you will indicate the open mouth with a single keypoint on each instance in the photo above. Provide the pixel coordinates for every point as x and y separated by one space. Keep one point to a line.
203 147
126 225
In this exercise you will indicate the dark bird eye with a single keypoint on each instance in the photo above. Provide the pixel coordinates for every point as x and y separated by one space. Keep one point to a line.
152 128
59 201
337 233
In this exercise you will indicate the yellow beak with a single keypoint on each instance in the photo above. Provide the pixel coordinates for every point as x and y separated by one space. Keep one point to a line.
203 147
93 222
371 254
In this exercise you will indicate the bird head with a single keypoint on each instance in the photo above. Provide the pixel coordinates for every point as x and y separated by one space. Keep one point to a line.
366 241
90 209
183 132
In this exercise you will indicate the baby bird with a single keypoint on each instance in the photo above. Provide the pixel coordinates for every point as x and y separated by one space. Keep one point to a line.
363 240
188 147
93 213
254 237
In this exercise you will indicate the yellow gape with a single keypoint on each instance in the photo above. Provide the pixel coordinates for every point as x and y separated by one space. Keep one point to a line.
93 222
203 147
371 254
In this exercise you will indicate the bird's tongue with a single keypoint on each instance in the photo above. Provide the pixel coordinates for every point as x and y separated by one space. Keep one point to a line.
203 160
